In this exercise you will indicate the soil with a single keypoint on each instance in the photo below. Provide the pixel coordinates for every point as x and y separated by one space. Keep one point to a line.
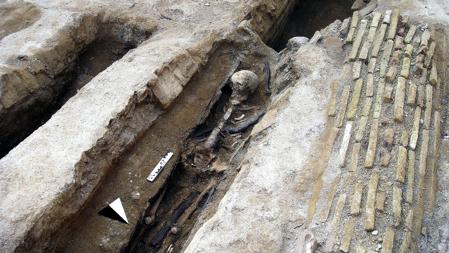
16 16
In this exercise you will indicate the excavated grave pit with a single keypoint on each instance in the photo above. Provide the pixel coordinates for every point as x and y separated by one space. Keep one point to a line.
111 42
186 182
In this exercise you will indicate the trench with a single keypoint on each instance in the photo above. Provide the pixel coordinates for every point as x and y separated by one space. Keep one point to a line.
108 46
187 194
187 185
310 16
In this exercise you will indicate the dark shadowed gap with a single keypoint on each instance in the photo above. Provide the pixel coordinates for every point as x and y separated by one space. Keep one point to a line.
309 16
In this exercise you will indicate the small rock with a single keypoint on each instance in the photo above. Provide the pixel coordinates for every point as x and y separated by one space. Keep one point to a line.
135 195
297 42
424 231
174 230
148 220
389 136
378 247
375 232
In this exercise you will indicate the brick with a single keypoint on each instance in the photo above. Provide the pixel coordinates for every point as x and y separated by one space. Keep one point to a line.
372 144
424 152
409 50
437 96
421 96
423 78
350 37
379 39
416 41
425 38
405 70
401 164
380 201
411 94
338 210
410 176
332 107
356 199
415 129
396 204
404 138
354 157
385 158
398 42
409 220
376 19
405 245
330 199
166 92
386 57
428 110
358 39
399 100
356 70
379 97
367 106
432 187
372 65
388 93
347 235
395 58
387 17
422 170
361 128
433 78
393 24
436 133
388 241
411 32
363 55
430 54
345 144
435 154
391 73
343 105
355 19
370 202
369 92
418 213
353 105
371 34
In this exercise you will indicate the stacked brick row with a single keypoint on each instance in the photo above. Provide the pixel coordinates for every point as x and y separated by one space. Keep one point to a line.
388 123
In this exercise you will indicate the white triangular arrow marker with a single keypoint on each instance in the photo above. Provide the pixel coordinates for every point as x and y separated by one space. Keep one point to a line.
117 206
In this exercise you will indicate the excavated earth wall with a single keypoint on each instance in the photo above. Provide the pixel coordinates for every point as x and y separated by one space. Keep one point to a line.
47 177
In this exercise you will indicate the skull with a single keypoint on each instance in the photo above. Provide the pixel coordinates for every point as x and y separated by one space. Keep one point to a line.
244 82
